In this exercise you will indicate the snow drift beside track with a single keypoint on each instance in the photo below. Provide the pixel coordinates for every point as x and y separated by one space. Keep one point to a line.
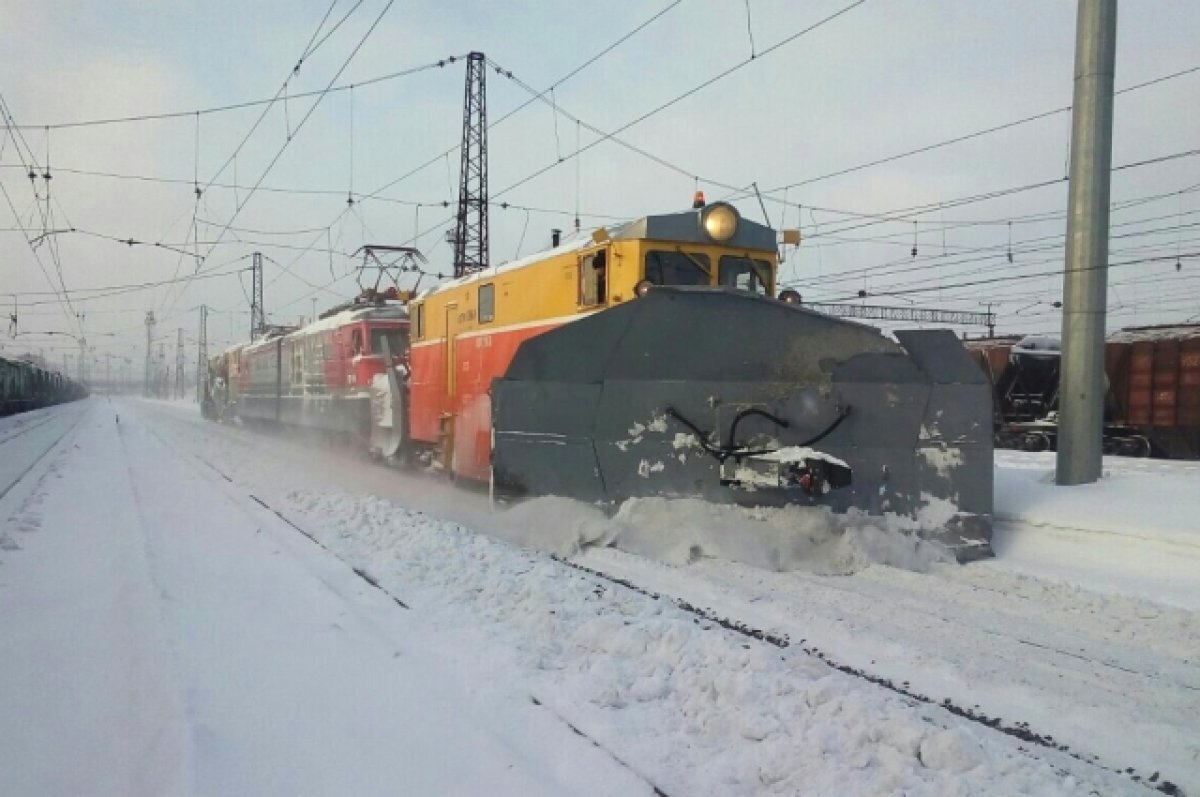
681 531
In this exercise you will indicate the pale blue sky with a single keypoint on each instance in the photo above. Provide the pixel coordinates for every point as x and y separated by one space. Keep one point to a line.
888 76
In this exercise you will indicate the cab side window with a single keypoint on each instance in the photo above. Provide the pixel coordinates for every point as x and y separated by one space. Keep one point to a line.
487 303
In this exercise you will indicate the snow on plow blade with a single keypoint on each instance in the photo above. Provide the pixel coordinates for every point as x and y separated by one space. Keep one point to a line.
734 397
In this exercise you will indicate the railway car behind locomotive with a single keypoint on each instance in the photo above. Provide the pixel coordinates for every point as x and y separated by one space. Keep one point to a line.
321 376
652 359
1152 405
25 386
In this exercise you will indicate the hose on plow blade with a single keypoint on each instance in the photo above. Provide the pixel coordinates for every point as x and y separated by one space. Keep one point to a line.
737 398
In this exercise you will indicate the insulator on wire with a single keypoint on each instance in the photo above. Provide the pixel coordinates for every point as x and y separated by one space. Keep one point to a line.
914 246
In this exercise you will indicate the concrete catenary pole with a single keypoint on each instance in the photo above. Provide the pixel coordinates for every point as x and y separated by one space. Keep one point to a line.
180 371
202 355
149 352
1085 279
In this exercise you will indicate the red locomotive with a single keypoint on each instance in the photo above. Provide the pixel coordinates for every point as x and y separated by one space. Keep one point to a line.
321 376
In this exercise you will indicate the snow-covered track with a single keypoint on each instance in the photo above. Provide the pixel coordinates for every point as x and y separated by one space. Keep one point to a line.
658 792
358 571
1018 730
1110 672
23 462
25 429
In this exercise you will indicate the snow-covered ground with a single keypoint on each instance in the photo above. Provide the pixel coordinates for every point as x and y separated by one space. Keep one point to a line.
1135 532
150 555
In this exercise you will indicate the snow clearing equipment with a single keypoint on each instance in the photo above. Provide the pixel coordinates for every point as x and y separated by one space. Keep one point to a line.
736 397
646 360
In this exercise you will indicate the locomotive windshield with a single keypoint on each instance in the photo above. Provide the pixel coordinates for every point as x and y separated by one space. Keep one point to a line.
397 340
744 273
677 268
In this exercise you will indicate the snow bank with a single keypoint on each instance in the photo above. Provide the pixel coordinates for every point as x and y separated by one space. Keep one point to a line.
681 531
1141 518
1143 498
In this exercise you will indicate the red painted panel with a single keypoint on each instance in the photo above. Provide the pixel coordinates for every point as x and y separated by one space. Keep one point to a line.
427 391
479 358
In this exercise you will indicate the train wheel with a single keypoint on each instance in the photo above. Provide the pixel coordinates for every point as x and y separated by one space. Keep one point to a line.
1134 447
1035 442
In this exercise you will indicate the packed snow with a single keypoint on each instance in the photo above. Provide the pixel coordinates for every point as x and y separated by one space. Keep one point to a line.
169 554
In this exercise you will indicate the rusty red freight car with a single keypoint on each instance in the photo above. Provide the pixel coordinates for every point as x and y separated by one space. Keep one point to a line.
1152 406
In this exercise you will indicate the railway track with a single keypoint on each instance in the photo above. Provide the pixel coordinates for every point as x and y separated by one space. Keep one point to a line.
1055 654
11 481
26 428
1017 730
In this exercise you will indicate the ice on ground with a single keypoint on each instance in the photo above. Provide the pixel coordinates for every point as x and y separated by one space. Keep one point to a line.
681 531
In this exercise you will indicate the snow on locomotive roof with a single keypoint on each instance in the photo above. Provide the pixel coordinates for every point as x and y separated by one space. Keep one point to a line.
682 227
389 311
580 243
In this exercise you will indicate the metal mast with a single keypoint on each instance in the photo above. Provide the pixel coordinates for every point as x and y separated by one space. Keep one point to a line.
1085 279
202 353
149 350
471 228
180 379
258 317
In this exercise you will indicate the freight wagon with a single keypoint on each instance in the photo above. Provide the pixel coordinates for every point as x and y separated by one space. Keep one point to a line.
1152 406
25 386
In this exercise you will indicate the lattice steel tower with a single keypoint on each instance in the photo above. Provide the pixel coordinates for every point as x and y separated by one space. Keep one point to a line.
471 228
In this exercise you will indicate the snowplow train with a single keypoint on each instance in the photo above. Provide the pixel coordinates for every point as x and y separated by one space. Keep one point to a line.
651 359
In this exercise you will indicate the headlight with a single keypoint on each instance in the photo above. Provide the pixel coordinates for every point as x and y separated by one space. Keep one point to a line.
720 221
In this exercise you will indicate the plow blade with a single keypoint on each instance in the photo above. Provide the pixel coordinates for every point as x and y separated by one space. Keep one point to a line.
737 398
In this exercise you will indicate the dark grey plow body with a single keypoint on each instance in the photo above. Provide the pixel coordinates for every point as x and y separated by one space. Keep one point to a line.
608 408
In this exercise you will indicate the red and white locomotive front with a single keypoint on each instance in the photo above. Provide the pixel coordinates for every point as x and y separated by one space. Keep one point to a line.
328 374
